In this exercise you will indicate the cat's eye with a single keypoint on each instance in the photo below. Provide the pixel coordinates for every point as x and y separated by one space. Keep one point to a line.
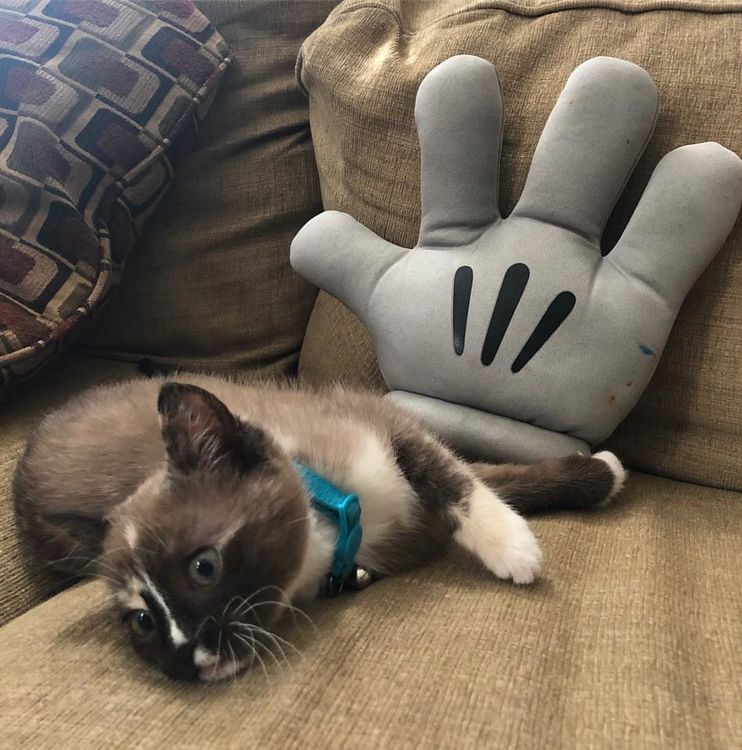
205 566
142 623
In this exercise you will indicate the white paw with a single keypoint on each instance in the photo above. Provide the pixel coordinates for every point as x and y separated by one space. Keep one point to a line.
517 556
618 471
499 537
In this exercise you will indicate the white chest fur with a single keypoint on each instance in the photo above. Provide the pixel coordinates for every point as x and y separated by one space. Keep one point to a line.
387 503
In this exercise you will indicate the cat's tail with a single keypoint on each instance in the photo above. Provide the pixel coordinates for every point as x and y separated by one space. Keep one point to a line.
574 482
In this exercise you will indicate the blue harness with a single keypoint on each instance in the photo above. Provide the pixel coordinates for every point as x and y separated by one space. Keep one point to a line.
344 510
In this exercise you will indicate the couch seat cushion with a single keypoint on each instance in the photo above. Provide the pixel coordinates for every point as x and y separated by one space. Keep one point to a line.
631 640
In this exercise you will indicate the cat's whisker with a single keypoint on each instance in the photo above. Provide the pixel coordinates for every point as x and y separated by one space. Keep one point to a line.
201 626
254 655
258 642
291 608
246 601
246 643
126 547
285 603
279 663
149 529
218 650
99 564
117 582
58 560
242 607
246 609
258 630
273 636
297 520
229 604
88 562
234 663
269 587
274 639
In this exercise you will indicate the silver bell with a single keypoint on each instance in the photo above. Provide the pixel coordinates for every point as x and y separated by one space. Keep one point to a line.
362 578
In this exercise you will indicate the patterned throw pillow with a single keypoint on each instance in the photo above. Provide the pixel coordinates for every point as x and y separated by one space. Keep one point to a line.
99 101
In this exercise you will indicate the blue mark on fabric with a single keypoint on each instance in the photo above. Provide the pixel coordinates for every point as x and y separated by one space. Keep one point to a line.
646 350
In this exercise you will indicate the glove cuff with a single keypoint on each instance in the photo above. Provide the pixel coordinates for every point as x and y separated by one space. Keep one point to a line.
487 437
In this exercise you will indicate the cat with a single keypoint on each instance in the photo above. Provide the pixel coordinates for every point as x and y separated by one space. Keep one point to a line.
184 497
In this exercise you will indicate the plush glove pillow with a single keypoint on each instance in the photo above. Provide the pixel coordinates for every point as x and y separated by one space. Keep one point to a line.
514 339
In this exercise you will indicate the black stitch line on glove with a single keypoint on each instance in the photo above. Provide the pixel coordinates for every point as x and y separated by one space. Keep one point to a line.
556 313
462 283
511 290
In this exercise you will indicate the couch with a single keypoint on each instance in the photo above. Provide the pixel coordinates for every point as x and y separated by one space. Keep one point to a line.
632 637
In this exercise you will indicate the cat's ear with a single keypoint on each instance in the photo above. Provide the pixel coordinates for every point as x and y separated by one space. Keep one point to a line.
200 433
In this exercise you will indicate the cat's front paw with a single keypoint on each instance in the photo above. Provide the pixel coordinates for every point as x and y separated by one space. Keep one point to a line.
517 556
499 537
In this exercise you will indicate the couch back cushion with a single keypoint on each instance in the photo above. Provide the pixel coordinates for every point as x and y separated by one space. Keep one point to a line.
361 70
210 284
98 103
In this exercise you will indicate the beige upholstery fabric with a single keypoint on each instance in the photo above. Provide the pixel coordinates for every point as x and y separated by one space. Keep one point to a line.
630 641
25 581
362 69
210 285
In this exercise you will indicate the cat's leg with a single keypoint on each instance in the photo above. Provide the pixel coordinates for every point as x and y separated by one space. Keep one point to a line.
456 504
575 482
497 535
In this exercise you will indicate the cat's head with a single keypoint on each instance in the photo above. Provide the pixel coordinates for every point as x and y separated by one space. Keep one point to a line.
206 552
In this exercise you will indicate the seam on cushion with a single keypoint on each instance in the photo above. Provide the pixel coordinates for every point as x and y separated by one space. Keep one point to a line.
185 363
101 286
513 8
197 99
298 70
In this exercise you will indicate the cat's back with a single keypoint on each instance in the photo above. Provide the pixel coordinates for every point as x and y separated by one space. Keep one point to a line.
329 426
100 444
103 443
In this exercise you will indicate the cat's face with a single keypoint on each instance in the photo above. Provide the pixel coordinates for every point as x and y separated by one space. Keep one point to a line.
206 551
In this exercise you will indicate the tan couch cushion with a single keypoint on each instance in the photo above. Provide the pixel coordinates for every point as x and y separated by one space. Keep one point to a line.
631 641
362 69
25 581
210 286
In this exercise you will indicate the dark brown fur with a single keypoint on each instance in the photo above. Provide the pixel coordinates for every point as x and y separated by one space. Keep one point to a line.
573 482
440 482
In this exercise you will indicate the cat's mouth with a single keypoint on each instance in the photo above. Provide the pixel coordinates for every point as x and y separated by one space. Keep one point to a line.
212 668
217 672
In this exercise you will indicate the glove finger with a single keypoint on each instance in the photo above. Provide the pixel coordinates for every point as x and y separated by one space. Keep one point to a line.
341 256
459 123
591 142
686 212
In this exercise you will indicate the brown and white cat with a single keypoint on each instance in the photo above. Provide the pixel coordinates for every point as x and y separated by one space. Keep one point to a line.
185 498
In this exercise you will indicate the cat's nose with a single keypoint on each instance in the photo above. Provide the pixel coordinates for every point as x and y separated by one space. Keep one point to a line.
179 665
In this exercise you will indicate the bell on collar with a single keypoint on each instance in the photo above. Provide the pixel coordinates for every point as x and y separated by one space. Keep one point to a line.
359 579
